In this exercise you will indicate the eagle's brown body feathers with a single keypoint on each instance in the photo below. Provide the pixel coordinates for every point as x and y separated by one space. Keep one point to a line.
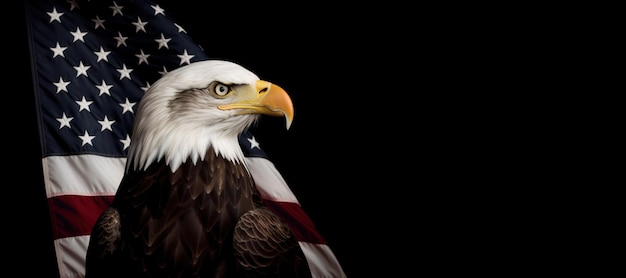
189 224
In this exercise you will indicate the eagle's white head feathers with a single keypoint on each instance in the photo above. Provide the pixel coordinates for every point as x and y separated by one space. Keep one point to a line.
203 104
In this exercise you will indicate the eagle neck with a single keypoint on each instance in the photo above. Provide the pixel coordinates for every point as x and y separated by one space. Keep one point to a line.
144 151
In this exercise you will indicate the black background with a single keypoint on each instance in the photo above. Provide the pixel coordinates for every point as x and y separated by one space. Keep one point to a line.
333 157
421 140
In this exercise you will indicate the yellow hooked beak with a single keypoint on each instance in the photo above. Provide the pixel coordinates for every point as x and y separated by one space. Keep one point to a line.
268 99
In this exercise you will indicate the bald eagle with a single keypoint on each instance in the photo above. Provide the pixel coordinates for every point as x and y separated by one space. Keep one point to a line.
187 205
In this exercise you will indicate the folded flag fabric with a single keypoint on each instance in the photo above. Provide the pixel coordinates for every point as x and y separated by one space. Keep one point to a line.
92 61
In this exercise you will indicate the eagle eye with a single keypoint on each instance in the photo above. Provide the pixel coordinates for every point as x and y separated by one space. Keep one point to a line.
219 89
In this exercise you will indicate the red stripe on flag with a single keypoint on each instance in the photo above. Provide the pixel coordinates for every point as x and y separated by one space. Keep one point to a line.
299 222
74 215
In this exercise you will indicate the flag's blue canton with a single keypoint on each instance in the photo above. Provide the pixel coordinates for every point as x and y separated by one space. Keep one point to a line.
94 60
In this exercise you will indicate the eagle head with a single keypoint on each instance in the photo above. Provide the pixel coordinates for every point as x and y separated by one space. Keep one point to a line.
200 105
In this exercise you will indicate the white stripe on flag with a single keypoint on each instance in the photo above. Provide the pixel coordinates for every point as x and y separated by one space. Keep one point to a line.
71 253
88 175
269 181
322 260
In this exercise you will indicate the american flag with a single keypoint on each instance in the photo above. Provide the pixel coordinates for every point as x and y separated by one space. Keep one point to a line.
92 62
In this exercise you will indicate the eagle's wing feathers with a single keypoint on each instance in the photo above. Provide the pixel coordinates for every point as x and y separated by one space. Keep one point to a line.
104 245
266 247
